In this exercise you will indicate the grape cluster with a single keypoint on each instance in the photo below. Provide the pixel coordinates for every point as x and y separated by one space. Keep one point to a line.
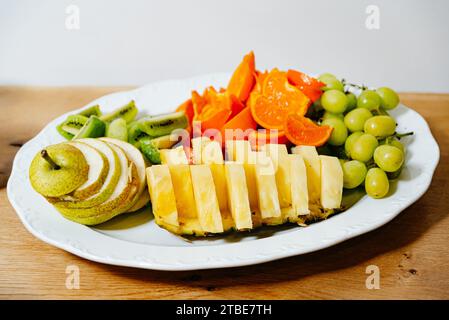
364 135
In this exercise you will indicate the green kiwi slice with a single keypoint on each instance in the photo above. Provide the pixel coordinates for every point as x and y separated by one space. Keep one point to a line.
163 125
117 129
71 126
150 150
128 112
91 111
93 128
135 133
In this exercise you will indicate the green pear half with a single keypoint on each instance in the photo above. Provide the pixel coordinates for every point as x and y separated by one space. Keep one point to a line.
98 170
108 186
58 170
119 201
135 156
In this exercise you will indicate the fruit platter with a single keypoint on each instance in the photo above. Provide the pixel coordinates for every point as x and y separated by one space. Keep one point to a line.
222 170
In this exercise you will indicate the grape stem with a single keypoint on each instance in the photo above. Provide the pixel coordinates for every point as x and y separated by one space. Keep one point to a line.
402 135
50 161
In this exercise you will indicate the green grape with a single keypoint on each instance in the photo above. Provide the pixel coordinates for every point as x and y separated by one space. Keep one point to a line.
354 173
339 134
333 85
363 148
334 101
389 99
397 144
352 101
331 82
350 141
376 183
328 115
368 99
380 126
326 77
355 119
388 158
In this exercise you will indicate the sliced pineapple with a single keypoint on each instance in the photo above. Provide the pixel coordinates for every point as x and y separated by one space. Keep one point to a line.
182 184
162 195
279 156
299 190
174 156
206 199
331 182
313 167
198 145
241 152
212 155
238 196
266 188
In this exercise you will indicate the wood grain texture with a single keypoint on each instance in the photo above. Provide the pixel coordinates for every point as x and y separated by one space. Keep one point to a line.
411 251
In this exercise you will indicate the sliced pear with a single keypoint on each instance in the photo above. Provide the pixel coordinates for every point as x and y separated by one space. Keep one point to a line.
299 191
206 199
118 202
162 195
108 186
279 156
266 186
331 182
98 171
173 156
134 155
313 166
143 200
238 195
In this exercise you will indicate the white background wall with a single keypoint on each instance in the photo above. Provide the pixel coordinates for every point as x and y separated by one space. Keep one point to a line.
135 42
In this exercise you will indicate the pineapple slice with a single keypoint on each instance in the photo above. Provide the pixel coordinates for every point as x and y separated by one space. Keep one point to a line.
238 196
198 145
183 189
206 199
278 154
266 187
213 156
331 182
174 156
162 195
313 167
299 193
241 152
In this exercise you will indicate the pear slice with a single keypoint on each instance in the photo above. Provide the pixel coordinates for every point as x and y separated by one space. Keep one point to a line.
108 186
118 202
98 170
143 200
134 155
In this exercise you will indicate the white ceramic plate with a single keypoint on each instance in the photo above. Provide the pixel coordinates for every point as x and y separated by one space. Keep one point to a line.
136 241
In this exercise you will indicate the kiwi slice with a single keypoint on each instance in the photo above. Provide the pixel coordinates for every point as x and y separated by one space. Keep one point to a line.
93 128
71 126
91 111
117 129
150 150
127 112
163 125
135 133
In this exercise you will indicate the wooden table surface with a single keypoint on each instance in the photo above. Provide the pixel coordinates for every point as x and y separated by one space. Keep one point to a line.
411 252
